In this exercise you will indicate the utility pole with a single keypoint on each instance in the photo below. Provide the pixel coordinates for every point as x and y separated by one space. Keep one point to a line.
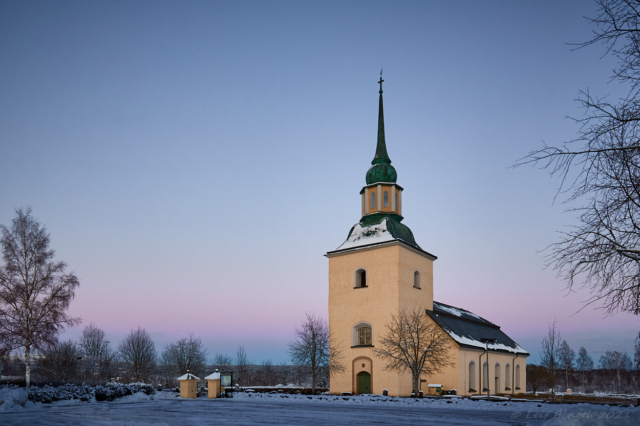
486 342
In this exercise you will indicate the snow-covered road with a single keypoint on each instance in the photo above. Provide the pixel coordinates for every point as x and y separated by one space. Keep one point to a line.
165 408
247 412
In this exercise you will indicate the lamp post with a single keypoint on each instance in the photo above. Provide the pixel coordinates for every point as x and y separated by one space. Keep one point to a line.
486 342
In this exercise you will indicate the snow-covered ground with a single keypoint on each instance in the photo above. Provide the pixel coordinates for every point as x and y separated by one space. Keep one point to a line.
253 409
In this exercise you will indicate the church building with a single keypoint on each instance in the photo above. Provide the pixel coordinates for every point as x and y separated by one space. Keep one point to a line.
379 270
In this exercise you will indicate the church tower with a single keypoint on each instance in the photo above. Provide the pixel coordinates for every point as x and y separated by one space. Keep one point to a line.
378 270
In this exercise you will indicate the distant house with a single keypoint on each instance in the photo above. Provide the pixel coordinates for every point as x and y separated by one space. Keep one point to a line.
380 269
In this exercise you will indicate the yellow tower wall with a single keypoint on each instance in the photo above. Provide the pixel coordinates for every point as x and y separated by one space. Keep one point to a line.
390 269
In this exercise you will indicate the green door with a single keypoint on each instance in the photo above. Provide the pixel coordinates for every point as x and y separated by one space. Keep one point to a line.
364 383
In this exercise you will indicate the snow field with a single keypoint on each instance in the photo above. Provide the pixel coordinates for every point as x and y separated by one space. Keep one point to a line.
446 403
16 401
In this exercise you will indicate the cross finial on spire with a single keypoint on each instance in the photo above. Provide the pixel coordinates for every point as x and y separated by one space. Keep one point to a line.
381 80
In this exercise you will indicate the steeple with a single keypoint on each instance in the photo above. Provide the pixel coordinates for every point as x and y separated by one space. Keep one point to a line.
381 171
381 156
381 201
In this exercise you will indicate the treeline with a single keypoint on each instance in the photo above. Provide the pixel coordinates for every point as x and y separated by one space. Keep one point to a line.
561 368
35 293
93 359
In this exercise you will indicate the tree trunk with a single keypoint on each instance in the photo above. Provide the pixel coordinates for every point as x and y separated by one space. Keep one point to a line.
416 385
27 365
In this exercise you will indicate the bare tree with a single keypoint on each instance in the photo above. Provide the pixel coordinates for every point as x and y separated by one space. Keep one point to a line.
138 354
187 354
566 356
537 375
551 352
35 293
242 364
60 360
267 373
636 358
604 364
584 363
620 363
314 351
602 252
222 361
283 373
413 344
97 352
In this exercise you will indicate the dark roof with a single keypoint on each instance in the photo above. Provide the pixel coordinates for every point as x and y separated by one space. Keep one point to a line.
467 329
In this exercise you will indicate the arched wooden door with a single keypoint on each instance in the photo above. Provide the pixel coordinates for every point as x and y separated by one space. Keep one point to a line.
364 382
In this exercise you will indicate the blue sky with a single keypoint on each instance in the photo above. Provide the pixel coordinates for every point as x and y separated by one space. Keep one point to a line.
192 158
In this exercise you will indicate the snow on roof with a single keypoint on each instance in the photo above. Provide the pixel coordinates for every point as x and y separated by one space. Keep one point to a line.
492 346
468 329
456 311
188 376
213 376
364 236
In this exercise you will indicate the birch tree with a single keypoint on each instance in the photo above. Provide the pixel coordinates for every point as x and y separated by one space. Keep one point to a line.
636 356
620 363
35 291
566 356
413 344
584 363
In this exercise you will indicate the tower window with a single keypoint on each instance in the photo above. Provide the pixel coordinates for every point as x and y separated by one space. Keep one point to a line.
364 336
373 200
396 197
361 334
386 199
361 278
416 279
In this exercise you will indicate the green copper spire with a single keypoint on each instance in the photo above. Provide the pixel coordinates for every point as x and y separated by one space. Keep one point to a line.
382 170
381 156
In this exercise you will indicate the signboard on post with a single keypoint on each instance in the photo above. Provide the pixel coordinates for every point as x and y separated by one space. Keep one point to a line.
225 379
